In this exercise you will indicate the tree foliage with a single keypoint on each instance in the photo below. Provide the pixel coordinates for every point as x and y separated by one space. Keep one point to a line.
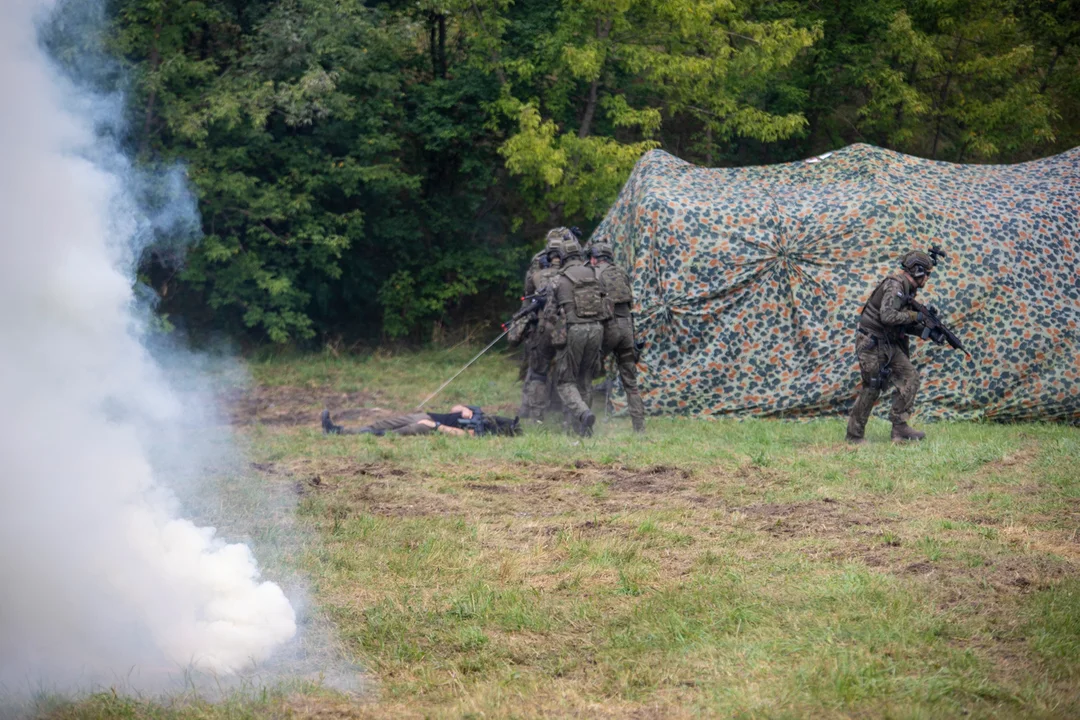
384 168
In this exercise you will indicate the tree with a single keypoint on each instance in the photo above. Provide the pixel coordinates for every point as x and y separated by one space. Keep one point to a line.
609 75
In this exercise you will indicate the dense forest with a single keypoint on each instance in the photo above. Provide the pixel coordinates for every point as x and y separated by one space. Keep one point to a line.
383 169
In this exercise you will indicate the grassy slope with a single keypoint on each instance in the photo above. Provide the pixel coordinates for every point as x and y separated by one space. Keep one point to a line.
734 568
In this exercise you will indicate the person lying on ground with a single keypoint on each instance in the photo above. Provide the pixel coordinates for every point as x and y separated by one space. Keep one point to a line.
461 420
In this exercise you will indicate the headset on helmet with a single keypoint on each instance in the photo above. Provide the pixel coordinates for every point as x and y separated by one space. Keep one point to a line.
917 263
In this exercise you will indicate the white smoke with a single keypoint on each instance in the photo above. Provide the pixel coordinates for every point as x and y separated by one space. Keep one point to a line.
99 576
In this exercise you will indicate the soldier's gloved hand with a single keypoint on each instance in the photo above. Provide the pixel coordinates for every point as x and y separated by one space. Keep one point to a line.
919 317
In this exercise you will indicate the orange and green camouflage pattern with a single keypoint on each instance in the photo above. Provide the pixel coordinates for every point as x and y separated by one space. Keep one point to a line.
748 282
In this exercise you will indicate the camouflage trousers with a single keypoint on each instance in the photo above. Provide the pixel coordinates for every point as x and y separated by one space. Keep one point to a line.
539 385
575 364
619 339
904 378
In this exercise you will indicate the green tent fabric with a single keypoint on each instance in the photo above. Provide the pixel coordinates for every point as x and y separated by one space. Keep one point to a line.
749 281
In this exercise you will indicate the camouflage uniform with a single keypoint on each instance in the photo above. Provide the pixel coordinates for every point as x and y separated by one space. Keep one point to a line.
619 329
881 340
578 335
539 387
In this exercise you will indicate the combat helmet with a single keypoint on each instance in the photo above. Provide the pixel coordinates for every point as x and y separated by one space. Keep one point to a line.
557 235
570 248
916 263
602 249
554 243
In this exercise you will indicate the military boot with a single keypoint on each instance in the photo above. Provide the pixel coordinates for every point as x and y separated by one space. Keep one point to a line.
328 427
585 425
639 425
854 439
903 432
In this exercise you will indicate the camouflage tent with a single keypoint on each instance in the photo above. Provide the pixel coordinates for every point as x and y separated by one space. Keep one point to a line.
749 281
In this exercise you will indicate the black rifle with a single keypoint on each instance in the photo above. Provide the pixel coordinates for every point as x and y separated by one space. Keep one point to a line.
475 423
533 304
933 328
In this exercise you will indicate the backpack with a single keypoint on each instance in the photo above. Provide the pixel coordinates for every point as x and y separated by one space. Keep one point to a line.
616 285
588 296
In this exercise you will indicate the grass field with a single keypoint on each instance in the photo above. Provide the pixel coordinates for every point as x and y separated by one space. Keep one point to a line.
730 568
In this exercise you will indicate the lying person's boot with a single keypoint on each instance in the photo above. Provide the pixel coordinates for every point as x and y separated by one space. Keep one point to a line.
328 427
586 423
854 439
903 432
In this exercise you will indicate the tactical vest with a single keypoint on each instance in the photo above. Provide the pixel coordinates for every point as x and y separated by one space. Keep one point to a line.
871 312
543 277
587 303
616 286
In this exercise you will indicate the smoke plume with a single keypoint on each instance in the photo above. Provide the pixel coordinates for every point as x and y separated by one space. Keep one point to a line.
100 576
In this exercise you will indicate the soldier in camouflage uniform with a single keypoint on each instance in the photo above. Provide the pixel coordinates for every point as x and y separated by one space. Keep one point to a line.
881 344
619 327
578 310
539 386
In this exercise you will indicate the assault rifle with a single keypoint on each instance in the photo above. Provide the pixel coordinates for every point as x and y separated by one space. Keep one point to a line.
475 423
933 328
532 304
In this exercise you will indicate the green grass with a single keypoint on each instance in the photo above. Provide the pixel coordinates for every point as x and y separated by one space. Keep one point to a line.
727 568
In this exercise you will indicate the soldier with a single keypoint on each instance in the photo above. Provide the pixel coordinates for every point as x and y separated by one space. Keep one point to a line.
537 389
577 311
461 420
881 344
619 328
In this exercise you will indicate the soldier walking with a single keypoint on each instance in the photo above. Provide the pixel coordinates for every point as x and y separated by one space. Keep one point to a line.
578 312
619 327
882 346
537 388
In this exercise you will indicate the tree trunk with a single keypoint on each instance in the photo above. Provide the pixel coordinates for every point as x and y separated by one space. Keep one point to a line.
495 59
944 96
603 29
1053 61
442 46
590 109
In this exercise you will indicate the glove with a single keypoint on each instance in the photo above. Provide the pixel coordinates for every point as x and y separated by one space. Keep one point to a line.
919 317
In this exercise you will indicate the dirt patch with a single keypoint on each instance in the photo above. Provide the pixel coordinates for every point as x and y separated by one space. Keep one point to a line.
619 478
288 405
329 467
919 568
386 500
1009 575
1010 463
656 479
818 518
497 489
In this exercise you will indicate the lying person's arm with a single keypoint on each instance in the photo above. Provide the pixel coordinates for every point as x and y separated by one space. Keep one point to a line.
448 429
